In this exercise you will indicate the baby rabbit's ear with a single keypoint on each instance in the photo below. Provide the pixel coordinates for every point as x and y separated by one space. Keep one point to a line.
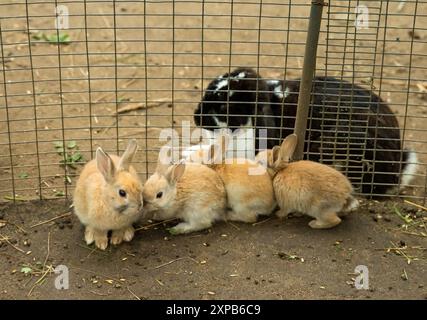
288 147
273 156
175 172
105 165
127 156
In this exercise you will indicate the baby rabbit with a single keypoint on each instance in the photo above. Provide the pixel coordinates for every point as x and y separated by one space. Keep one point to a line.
108 197
249 187
308 187
191 192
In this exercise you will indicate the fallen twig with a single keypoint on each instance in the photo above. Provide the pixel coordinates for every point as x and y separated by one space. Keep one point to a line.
48 250
132 106
415 205
132 293
148 226
3 238
175 260
68 213
44 266
262 221
400 251
18 227
49 269
233 225
98 293
415 234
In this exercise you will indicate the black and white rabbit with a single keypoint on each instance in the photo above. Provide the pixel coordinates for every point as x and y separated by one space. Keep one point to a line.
240 99
349 127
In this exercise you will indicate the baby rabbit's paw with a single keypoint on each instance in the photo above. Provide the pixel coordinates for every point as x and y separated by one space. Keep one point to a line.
185 227
124 234
117 237
89 235
99 237
128 234
101 243
180 228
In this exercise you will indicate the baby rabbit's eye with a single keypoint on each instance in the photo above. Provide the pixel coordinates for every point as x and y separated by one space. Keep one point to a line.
122 193
159 195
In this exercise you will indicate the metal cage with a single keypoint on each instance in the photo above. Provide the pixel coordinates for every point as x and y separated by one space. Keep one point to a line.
80 74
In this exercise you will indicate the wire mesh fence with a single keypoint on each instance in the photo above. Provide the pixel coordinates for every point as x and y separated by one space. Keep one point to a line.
80 74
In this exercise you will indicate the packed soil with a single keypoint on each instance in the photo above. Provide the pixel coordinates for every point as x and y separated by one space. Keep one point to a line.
162 59
157 59
272 259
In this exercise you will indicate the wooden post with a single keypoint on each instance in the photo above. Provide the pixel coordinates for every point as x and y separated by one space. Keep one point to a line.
308 70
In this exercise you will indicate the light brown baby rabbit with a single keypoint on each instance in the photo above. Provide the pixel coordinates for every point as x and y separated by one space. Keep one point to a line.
190 192
308 187
249 187
108 196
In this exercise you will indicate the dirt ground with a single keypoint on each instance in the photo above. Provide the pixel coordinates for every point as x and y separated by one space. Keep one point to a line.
270 260
41 104
166 63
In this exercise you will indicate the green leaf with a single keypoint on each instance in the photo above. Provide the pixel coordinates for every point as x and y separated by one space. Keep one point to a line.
59 194
122 99
172 231
16 198
23 175
63 38
26 270
71 145
406 218
76 157
70 158
58 144
38 36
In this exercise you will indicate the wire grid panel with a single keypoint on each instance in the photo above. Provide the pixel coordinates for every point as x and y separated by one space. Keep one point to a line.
385 53
115 70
